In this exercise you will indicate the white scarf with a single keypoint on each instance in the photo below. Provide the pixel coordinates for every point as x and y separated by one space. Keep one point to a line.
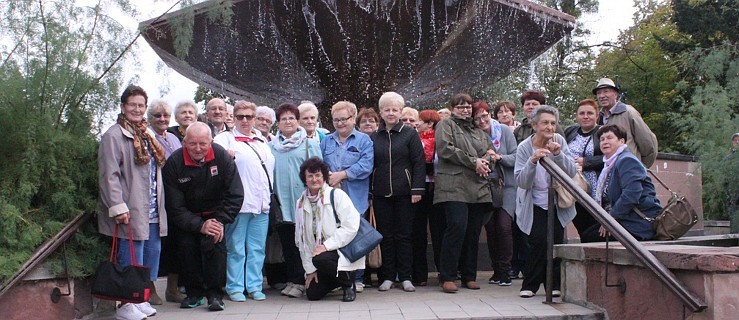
608 165
304 239
283 144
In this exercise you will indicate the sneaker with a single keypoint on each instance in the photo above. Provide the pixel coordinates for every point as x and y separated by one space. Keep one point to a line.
359 286
129 311
279 286
257 295
386 285
192 302
513 274
556 293
526 294
286 290
146 308
504 281
494 279
215 304
408 286
237 297
296 291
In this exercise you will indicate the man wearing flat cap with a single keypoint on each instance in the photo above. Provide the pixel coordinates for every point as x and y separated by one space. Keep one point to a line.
641 140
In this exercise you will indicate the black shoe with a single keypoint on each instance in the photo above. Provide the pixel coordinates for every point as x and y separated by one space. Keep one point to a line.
192 302
504 281
215 304
513 274
494 279
350 293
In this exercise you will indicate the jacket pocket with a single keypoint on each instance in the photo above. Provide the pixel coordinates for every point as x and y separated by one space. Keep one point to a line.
408 177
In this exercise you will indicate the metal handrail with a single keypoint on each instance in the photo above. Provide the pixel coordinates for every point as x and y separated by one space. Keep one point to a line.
46 250
689 299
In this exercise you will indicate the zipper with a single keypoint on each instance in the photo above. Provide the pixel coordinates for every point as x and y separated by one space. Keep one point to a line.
390 154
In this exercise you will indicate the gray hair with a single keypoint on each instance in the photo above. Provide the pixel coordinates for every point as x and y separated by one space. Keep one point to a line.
544 109
266 111
390 97
157 105
184 104
306 106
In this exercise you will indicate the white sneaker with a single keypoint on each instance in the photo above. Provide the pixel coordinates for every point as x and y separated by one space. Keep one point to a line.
129 311
386 285
359 286
556 293
526 294
408 286
146 308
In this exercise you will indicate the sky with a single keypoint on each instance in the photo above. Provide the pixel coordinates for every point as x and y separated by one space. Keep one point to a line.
162 82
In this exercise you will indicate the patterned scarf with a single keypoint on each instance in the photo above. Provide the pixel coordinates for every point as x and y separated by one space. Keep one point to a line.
142 141
306 240
283 144
603 178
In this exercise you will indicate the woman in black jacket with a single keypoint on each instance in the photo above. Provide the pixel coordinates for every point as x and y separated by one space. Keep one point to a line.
585 148
398 181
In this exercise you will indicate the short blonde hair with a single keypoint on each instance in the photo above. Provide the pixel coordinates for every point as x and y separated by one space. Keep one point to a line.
344 105
186 104
389 98
306 106
409 111
242 104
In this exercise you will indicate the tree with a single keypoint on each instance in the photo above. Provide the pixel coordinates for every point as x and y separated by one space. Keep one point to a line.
56 90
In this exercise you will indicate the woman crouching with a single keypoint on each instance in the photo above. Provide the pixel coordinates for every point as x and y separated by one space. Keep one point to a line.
319 236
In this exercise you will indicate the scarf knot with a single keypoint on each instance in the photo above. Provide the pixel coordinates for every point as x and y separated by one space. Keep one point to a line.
143 143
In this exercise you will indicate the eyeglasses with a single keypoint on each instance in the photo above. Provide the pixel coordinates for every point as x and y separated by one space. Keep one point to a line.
407 119
159 115
368 120
342 120
288 119
260 119
244 116
136 105
482 117
466 106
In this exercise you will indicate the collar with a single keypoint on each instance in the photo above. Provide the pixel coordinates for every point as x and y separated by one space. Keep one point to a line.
210 156
397 127
257 136
335 135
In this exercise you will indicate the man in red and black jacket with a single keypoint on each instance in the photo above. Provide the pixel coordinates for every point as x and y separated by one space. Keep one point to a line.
203 193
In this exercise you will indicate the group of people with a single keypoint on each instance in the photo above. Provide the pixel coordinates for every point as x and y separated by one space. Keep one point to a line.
199 194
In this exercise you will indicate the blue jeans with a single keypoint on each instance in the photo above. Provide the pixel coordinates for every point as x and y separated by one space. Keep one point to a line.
246 239
147 251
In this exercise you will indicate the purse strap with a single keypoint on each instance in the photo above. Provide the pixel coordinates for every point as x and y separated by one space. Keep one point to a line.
263 166
585 148
372 220
641 214
333 207
113 251
660 182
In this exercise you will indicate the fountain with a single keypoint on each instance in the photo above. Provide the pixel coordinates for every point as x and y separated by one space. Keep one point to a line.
327 50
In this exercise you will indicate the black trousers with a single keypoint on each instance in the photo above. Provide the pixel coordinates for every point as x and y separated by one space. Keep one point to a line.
328 278
535 271
394 217
419 237
583 220
203 264
520 248
500 240
459 247
294 265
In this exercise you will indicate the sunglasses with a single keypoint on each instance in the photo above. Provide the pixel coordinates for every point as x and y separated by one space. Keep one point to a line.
244 116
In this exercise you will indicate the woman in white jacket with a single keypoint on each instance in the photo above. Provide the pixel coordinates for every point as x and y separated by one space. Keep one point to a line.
319 237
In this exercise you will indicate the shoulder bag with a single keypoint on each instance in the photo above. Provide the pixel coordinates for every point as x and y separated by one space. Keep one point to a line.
118 283
564 198
675 219
275 208
367 237
496 183
374 257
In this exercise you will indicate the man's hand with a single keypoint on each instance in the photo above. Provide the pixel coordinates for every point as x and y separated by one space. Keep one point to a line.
213 228
309 278
122 218
335 178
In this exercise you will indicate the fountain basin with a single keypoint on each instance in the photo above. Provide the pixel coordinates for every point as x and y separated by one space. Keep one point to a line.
707 265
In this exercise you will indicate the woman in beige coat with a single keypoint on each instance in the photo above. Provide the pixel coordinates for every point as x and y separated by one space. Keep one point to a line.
131 191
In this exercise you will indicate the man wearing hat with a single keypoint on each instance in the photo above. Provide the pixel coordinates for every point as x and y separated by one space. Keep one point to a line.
641 140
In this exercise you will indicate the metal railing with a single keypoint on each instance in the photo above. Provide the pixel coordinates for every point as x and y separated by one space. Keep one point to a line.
690 300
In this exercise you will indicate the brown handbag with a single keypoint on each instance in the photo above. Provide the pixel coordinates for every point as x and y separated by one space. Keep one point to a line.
675 219
374 257
564 198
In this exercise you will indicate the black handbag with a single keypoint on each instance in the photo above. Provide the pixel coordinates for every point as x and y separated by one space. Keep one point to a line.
496 183
115 282
367 237
275 208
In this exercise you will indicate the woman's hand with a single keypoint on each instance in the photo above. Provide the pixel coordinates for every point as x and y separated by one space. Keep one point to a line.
579 160
122 218
309 278
481 167
603 232
335 178
415 198
554 147
540 153
319 249
493 155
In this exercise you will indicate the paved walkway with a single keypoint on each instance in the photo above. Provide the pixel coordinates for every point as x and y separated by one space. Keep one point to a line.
491 302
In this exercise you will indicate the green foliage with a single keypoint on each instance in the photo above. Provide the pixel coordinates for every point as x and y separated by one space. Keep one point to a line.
203 95
182 25
646 73
51 103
